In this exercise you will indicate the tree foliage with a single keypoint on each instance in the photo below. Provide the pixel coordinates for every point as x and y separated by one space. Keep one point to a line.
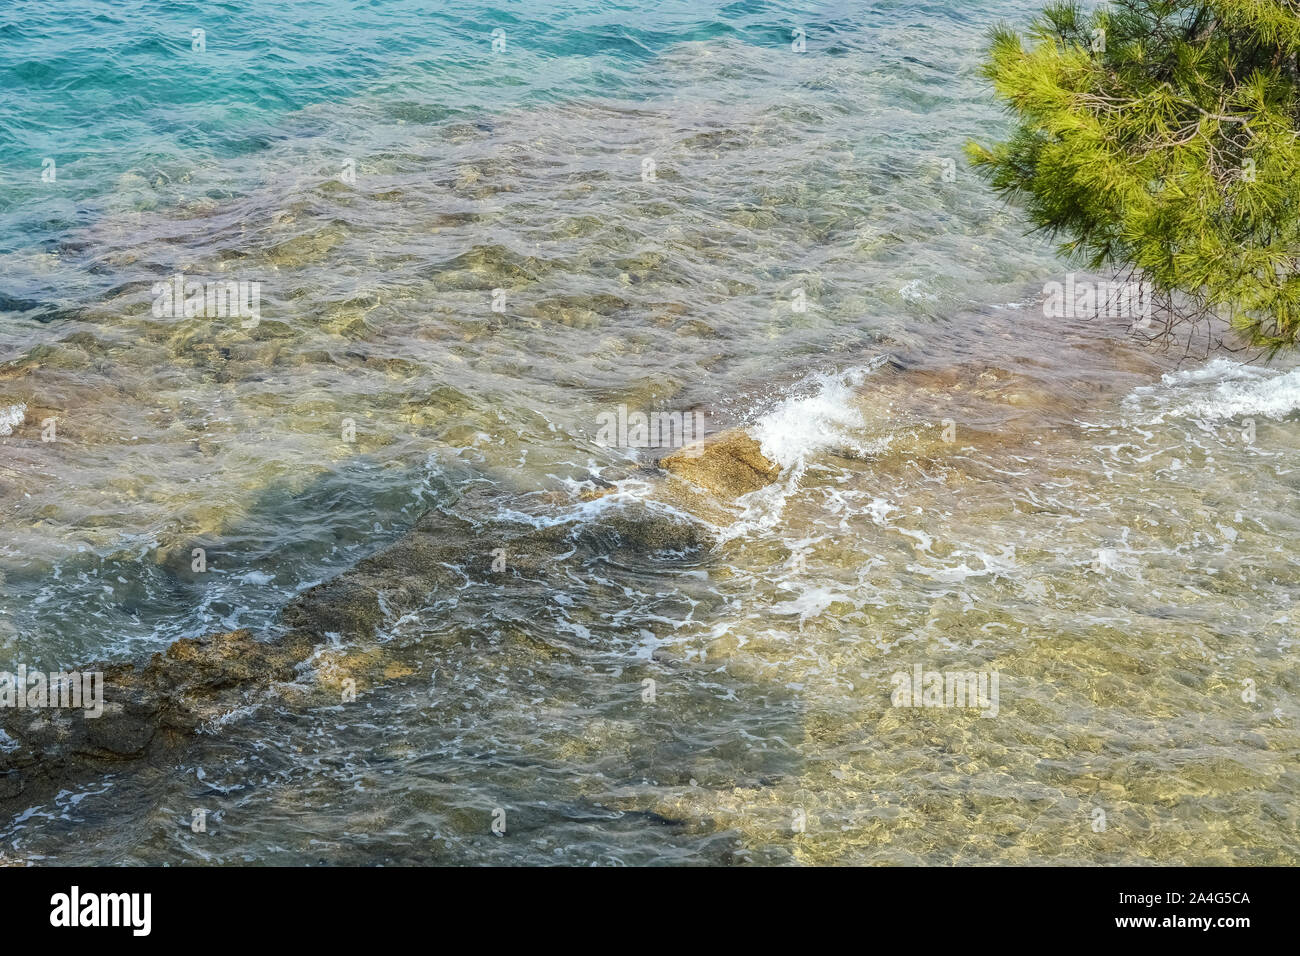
1162 136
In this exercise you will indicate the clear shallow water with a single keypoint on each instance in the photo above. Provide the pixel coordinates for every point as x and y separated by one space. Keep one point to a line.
1098 531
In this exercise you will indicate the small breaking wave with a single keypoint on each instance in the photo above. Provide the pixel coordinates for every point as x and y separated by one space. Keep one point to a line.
822 413
1221 390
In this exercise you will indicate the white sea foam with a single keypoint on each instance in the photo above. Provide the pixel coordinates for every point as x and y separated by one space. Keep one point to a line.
822 414
1223 389
915 291
809 604
11 418
1217 370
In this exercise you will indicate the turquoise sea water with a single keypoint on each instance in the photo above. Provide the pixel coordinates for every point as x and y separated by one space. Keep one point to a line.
105 88
382 171
167 158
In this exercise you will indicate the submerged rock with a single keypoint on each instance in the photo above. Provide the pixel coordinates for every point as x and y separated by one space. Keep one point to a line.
421 563
730 464
149 713
152 713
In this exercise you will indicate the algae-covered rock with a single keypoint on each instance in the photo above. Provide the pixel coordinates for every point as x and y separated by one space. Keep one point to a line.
642 534
138 713
730 464
152 713
421 564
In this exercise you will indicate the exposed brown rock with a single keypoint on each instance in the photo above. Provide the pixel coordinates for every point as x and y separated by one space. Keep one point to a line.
729 464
